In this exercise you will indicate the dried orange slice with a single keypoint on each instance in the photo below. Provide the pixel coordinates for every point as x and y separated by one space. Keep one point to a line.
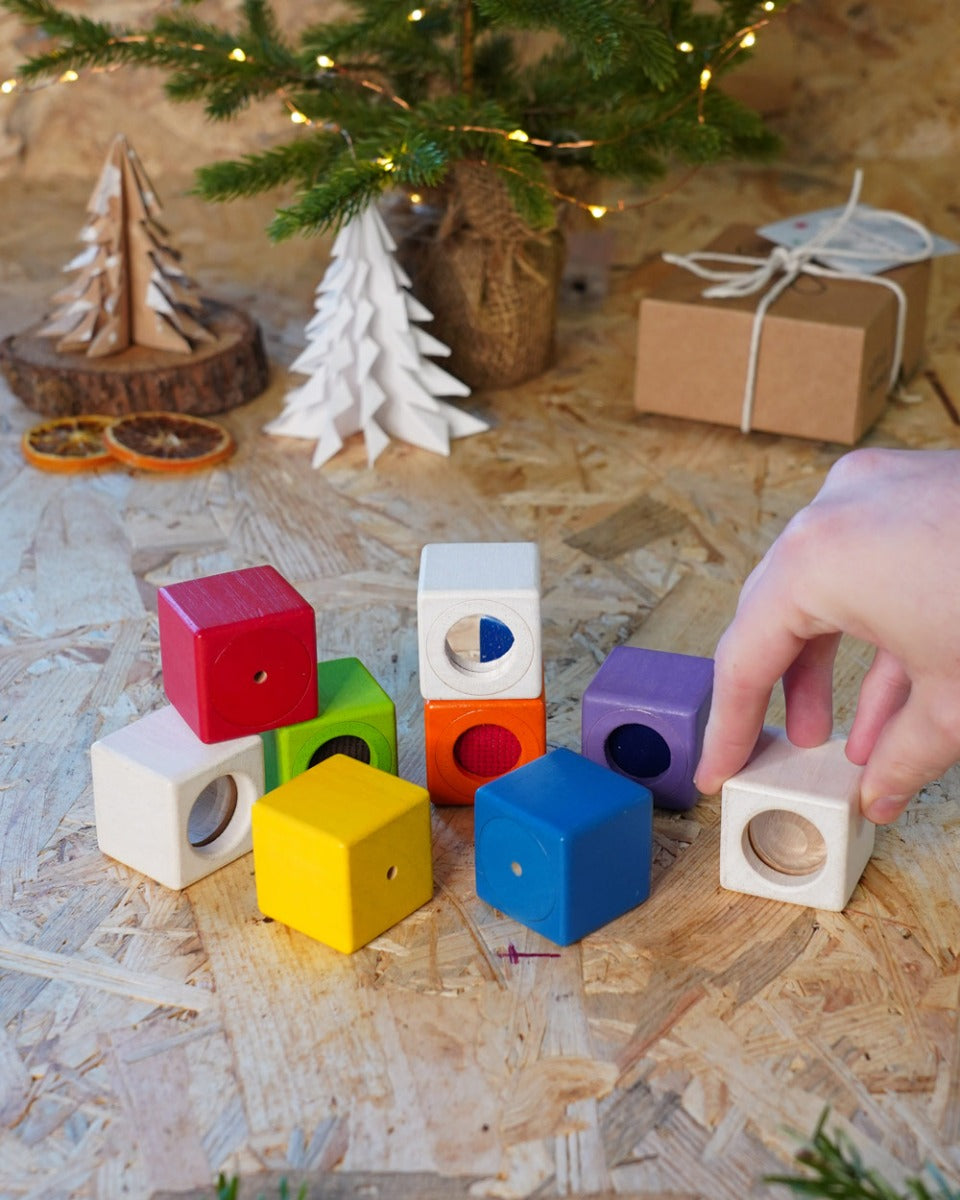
163 441
68 444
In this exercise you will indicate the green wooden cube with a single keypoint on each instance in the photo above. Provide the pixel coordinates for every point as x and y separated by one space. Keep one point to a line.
357 718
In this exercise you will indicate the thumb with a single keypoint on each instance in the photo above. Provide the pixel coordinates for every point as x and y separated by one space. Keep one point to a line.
913 749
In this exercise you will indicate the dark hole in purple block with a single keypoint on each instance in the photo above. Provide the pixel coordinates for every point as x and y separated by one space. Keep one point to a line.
637 751
345 743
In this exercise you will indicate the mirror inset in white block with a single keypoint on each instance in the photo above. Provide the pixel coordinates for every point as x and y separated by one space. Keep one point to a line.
791 827
478 621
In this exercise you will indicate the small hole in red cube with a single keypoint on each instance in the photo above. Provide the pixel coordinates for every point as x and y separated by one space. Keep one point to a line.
260 676
487 751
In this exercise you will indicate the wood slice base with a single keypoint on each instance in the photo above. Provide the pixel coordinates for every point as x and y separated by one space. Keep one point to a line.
217 376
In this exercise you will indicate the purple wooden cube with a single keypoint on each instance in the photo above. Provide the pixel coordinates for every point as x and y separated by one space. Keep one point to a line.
643 715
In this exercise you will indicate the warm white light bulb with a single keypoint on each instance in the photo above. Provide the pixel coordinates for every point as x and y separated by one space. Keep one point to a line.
237 55
299 118
748 40
416 15
69 77
518 136
685 47
7 86
597 210
387 164
705 76
325 61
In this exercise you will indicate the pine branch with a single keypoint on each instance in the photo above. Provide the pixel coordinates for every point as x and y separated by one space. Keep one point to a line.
604 31
229 1189
344 192
834 1168
302 162
89 42
614 84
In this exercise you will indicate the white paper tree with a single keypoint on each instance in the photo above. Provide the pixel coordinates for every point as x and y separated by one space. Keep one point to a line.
130 288
367 360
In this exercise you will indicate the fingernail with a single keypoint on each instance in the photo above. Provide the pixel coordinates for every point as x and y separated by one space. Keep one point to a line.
885 809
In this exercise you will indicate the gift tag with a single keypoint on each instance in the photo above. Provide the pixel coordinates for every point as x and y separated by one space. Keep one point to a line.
883 239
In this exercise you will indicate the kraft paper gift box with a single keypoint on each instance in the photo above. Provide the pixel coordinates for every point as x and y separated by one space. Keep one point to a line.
826 348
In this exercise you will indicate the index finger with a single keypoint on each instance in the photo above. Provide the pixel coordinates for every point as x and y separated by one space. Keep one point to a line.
750 657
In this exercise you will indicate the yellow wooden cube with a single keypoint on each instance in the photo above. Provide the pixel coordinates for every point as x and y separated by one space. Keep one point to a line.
342 852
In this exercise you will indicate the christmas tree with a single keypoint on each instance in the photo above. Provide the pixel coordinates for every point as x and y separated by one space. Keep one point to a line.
366 357
130 288
396 95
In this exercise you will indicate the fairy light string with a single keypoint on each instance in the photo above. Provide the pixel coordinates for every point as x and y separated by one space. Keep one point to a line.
716 58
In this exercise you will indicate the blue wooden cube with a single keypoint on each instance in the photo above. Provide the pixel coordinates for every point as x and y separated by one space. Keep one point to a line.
643 714
563 845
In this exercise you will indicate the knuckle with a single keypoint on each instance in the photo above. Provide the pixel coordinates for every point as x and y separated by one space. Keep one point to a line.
856 465
944 717
800 540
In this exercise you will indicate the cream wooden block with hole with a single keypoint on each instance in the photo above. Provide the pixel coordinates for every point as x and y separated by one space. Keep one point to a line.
791 827
169 805
478 621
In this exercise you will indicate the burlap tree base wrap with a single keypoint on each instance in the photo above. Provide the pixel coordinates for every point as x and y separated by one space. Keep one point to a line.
491 283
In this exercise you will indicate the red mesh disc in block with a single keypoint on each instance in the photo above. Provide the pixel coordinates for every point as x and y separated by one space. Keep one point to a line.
487 750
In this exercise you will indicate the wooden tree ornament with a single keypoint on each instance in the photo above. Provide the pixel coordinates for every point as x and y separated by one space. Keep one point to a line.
130 288
367 359
132 332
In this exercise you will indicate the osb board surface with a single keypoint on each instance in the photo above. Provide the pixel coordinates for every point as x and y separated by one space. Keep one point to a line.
149 1039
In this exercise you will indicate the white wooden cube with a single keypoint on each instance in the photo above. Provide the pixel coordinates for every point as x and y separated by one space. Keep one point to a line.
478 621
791 827
169 805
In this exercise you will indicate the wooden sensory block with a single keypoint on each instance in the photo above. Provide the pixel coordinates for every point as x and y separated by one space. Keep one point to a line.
238 652
342 852
563 845
643 715
169 805
357 718
791 827
469 742
478 621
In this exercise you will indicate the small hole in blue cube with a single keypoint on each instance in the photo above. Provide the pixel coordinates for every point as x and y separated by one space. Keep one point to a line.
638 751
516 868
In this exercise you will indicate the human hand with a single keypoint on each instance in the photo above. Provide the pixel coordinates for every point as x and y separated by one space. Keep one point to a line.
875 555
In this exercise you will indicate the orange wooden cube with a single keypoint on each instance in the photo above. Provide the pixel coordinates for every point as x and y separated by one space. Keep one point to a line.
470 742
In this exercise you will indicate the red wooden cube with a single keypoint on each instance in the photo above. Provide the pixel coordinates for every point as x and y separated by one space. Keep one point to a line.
238 652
